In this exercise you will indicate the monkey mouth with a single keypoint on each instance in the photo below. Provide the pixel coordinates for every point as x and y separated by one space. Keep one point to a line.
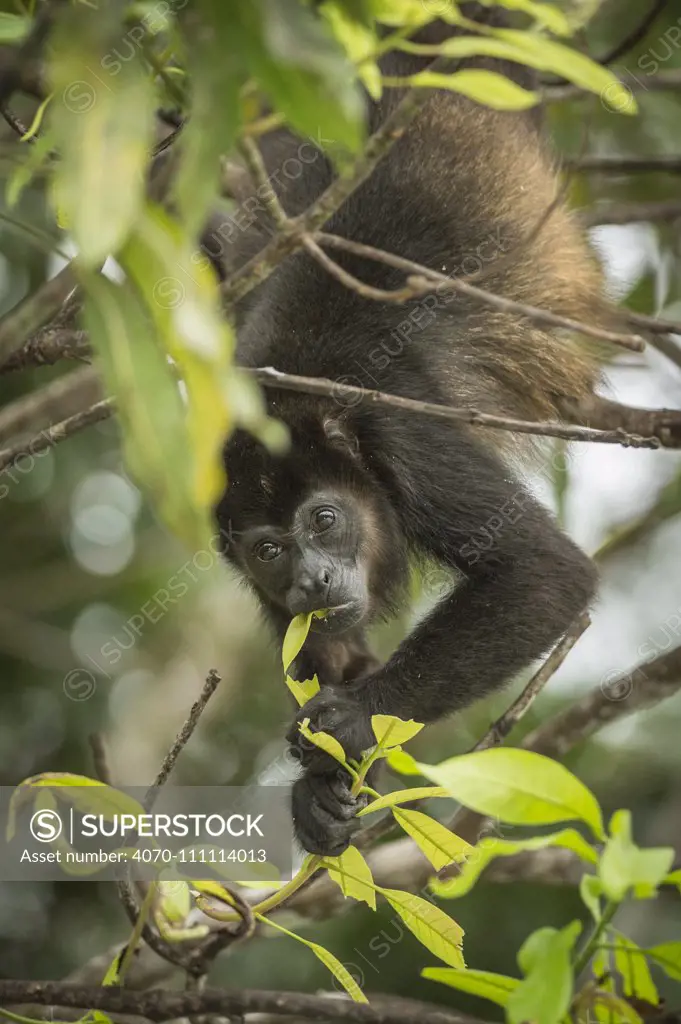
339 618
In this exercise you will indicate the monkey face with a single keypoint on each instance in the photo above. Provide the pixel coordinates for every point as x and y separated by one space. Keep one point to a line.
316 561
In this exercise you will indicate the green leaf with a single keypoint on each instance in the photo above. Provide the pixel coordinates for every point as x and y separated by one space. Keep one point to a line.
545 993
488 849
486 87
398 13
302 68
542 54
156 441
668 956
174 900
329 744
438 843
103 128
674 878
591 890
608 1008
402 762
403 796
495 987
631 963
14 27
391 731
517 786
206 137
353 875
547 55
430 925
339 971
548 15
305 691
184 304
625 866
84 793
296 635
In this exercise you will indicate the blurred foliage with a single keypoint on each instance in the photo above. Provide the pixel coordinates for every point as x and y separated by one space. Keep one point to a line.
108 623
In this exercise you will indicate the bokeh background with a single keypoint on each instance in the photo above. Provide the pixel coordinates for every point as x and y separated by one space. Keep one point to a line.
82 557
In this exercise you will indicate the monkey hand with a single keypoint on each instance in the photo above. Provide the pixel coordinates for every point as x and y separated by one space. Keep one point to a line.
324 811
340 711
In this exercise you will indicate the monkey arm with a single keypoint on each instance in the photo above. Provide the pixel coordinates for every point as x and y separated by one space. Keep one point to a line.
525 580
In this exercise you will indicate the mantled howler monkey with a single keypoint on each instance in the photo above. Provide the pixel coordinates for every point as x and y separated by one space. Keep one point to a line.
331 523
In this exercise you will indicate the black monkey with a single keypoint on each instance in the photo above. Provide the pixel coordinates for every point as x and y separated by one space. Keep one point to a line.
332 523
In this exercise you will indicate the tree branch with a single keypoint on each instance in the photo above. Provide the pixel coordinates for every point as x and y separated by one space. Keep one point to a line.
269 377
35 310
624 165
47 347
62 397
425 280
661 81
257 269
632 213
183 736
645 685
158 1005
56 433
498 732
637 34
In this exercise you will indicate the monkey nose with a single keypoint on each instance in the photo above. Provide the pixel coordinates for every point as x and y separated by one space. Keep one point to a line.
310 592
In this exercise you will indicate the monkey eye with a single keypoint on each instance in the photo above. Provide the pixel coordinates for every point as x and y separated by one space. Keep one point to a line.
267 550
322 519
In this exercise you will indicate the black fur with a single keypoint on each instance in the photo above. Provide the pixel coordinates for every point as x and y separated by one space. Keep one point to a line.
426 487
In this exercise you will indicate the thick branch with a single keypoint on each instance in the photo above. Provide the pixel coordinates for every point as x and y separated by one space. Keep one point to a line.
47 347
642 687
34 311
603 414
632 213
158 1005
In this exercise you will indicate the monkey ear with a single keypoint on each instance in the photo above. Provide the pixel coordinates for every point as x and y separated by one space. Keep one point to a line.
338 433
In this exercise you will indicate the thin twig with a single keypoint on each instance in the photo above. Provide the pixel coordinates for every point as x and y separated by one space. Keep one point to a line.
184 735
15 123
498 732
100 758
367 291
269 377
637 34
661 81
58 432
60 398
256 166
285 242
427 280
624 165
